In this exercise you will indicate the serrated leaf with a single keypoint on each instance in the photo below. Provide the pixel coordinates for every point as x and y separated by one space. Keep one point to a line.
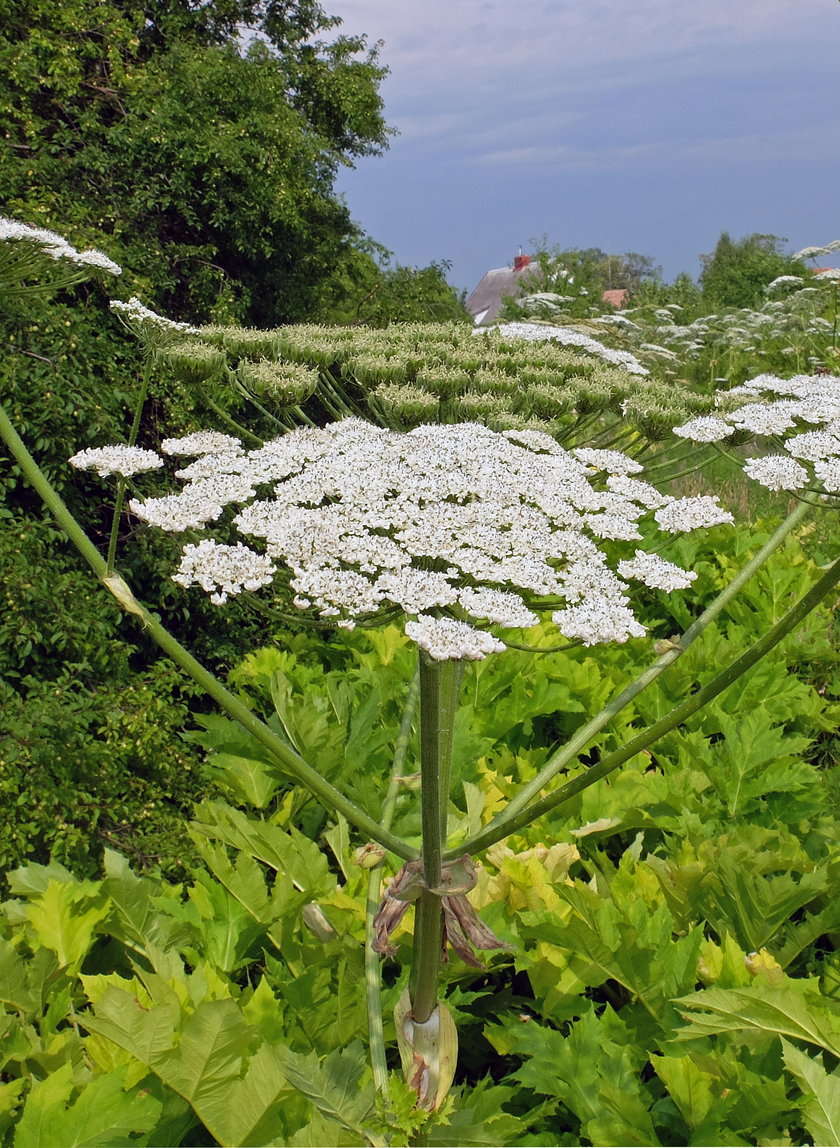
65 917
287 851
334 1084
692 1090
251 779
821 1110
477 1120
146 1033
775 1011
103 1115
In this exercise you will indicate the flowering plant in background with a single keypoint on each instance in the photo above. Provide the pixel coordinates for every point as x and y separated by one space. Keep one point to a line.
35 261
799 416
464 530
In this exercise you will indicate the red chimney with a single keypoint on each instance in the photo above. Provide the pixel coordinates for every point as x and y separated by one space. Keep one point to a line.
520 261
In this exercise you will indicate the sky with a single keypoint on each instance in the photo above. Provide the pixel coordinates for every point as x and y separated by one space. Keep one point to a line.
630 125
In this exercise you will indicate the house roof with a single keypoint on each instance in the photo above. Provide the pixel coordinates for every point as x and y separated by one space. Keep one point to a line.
485 301
617 296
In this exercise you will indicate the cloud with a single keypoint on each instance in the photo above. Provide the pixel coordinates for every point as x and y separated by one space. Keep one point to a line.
484 78
669 154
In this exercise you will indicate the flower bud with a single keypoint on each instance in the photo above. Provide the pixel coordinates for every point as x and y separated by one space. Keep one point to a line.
369 856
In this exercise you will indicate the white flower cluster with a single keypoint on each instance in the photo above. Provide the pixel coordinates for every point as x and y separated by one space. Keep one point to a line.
784 410
569 338
201 442
124 460
448 524
223 570
55 246
139 313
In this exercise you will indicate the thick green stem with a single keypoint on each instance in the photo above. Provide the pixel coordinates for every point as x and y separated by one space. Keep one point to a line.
326 793
679 645
440 684
671 720
373 994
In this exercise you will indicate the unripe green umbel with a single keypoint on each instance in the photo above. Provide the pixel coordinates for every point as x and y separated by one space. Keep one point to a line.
194 361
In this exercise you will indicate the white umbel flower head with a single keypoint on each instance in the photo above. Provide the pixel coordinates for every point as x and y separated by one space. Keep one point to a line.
122 460
446 638
56 246
223 570
201 442
773 407
777 472
448 524
685 514
656 572
706 428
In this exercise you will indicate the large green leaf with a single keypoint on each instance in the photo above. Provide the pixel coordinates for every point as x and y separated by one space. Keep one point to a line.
821 1110
779 1011
287 851
476 1120
65 918
102 1116
232 1089
334 1085
147 1033
594 1070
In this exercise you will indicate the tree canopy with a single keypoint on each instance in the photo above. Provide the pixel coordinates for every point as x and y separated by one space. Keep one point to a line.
736 273
197 143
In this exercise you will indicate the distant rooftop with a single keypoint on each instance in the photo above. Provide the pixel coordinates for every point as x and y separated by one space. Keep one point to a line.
485 302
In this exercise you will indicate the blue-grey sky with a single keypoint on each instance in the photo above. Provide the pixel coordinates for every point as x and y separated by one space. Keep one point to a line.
630 125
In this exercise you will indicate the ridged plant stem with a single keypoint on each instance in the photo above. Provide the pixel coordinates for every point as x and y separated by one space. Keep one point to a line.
440 684
121 484
373 994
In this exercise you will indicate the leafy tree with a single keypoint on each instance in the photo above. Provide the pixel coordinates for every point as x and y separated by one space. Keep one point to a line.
198 145
737 271
374 290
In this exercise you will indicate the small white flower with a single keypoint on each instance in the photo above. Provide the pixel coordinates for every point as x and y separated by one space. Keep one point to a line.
123 460
497 606
692 513
813 445
598 621
447 638
828 472
569 338
764 418
55 246
612 461
656 572
706 428
135 310
776 472
223 570
201 442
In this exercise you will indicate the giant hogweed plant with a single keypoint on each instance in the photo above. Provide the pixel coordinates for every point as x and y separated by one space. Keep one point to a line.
472 537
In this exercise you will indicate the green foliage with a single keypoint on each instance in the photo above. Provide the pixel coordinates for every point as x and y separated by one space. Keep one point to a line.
371 289
204 167
736 273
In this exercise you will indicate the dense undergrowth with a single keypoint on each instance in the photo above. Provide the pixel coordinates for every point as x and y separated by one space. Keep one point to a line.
672 975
